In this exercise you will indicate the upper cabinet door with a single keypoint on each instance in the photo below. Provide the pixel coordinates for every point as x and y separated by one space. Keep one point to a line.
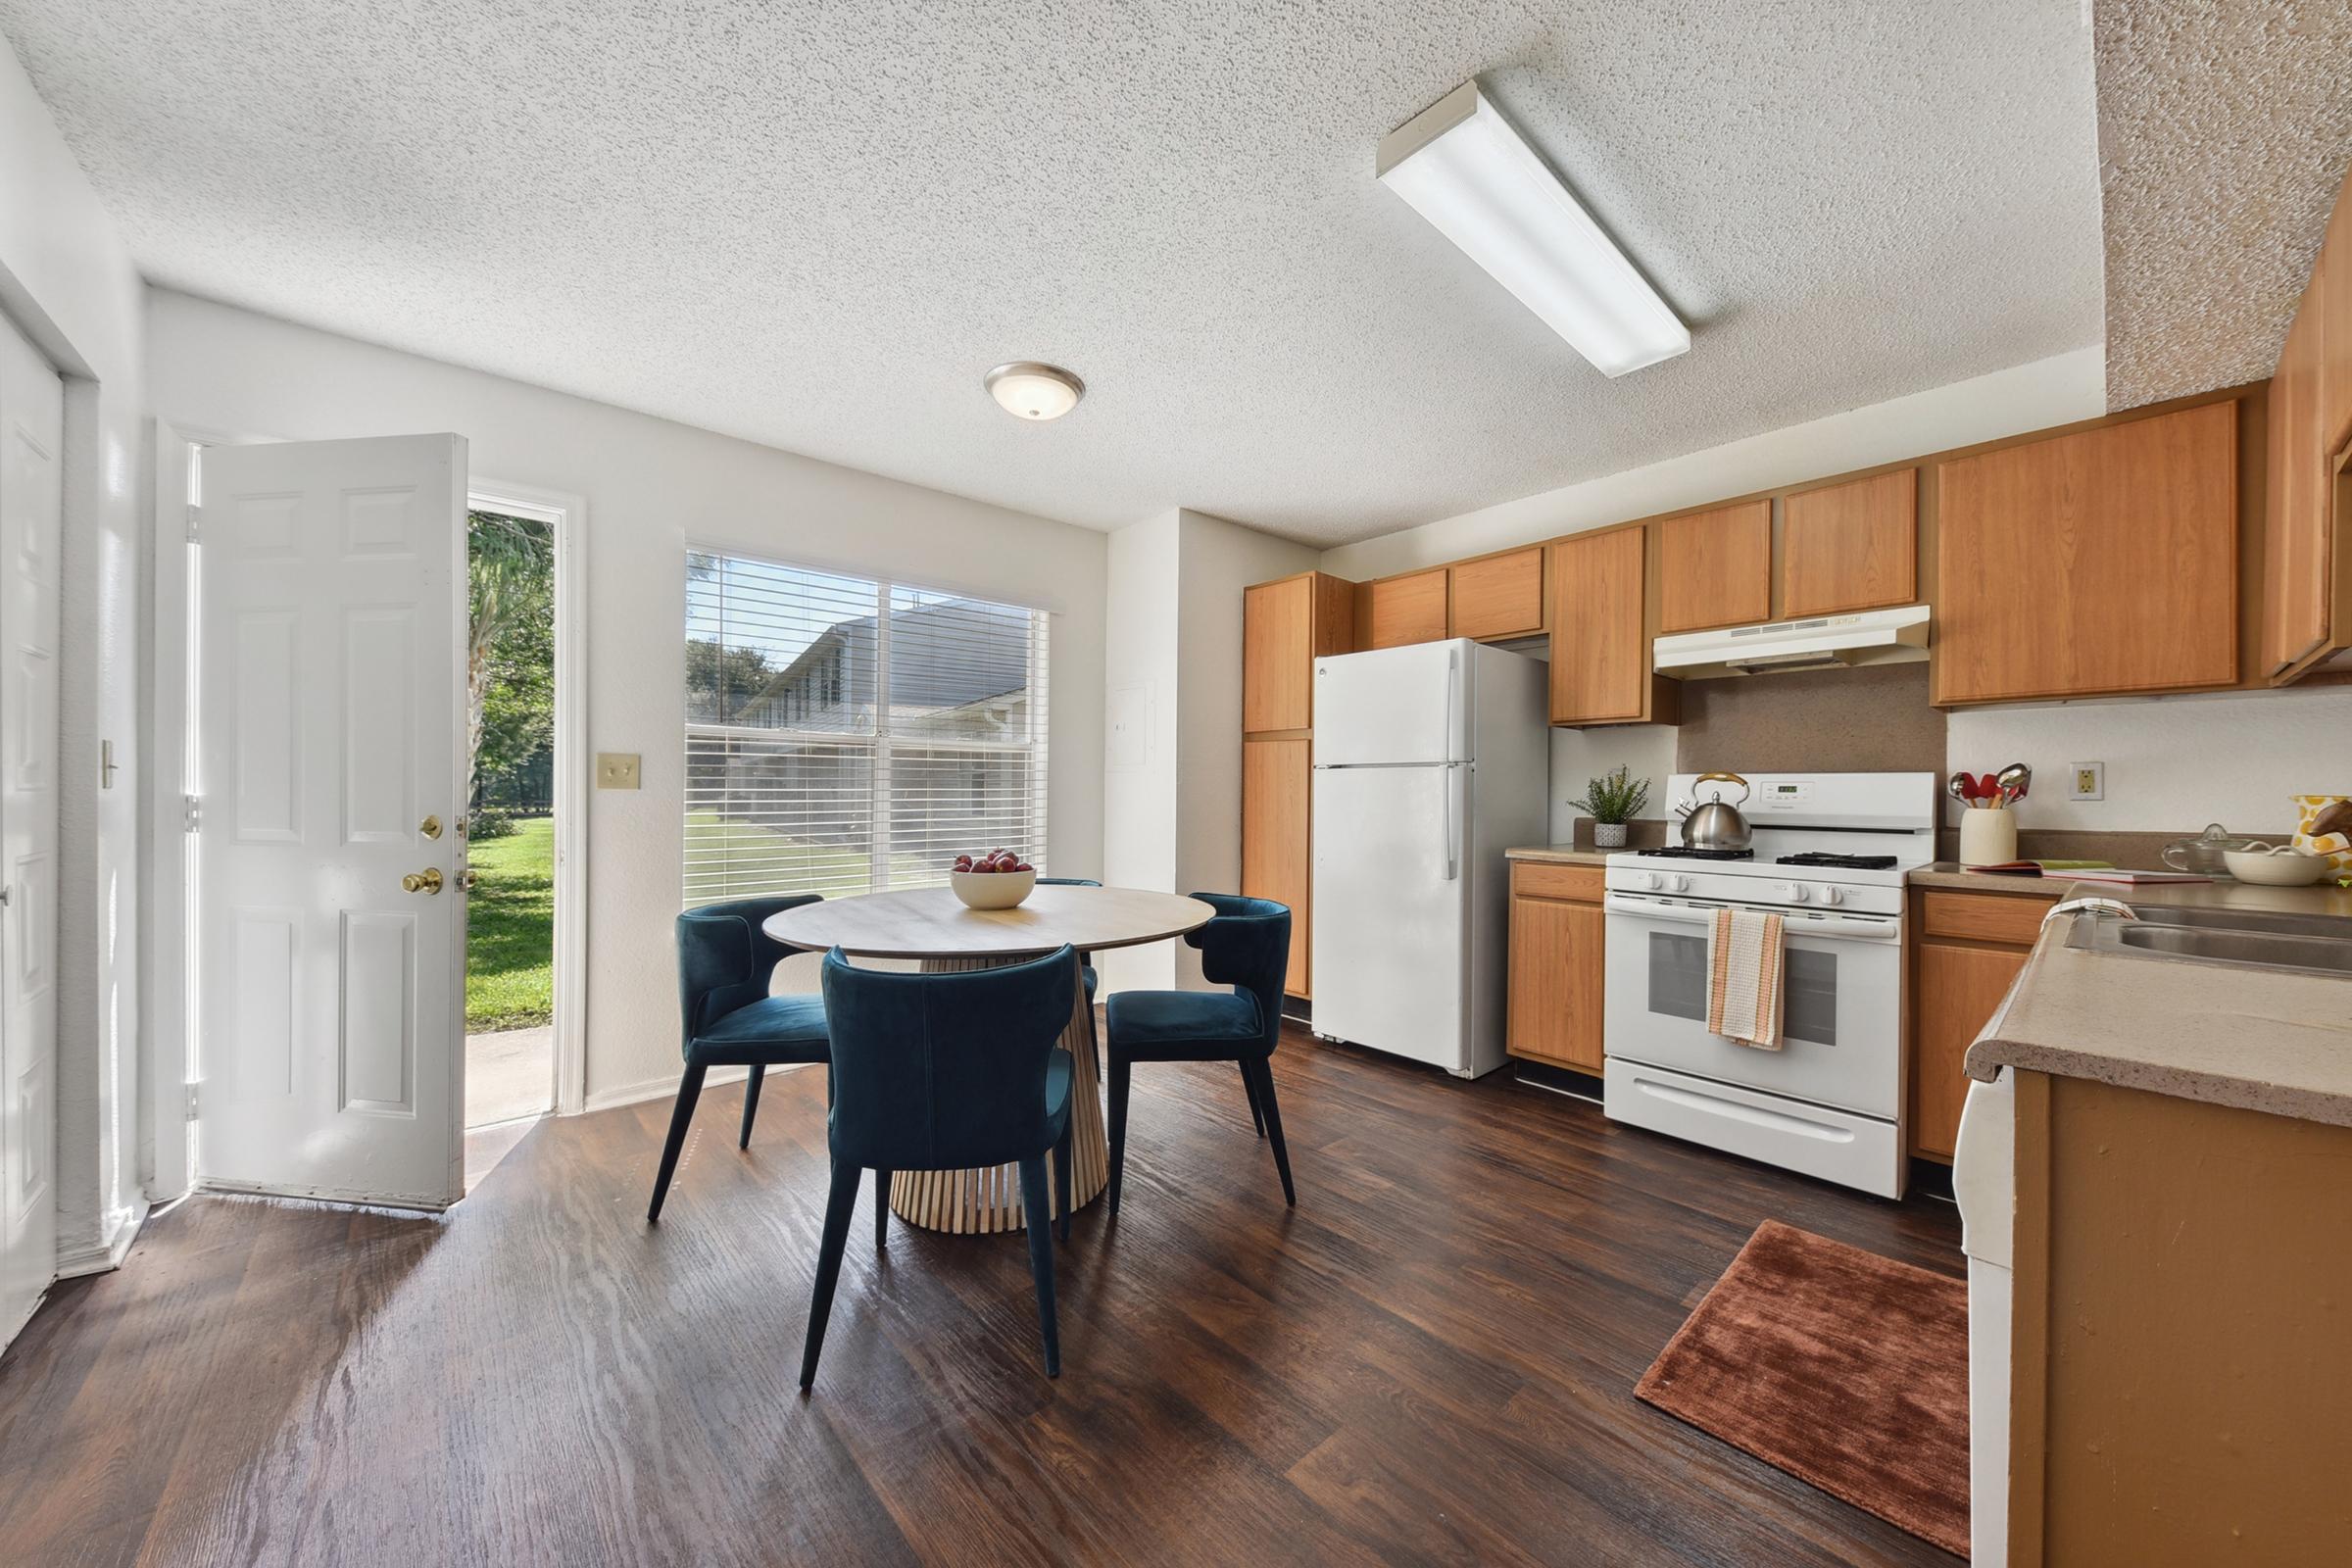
1501 596
1277 654
2298 506
1852 546
1403 610
1715 567
1599 659
2102 561
2332 289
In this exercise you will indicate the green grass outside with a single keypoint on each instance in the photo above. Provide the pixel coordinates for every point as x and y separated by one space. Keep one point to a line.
511 929
785 865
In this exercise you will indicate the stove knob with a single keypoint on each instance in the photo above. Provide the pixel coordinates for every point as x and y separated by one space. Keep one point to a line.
1682 884
1647 881
1796 891
1831 896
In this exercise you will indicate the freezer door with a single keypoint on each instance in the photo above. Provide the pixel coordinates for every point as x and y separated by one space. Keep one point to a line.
1389 932
1394 704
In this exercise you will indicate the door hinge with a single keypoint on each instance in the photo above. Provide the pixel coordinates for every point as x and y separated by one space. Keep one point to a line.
188 1092
191 814
195 522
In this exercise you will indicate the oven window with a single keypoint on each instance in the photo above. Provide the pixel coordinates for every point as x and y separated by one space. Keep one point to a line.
1677 986
1678 976
1809 996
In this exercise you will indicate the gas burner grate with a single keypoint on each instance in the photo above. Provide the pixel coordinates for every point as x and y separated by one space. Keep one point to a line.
1842 862
1673 853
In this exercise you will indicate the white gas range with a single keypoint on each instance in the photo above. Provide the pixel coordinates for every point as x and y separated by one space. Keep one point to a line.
1829 855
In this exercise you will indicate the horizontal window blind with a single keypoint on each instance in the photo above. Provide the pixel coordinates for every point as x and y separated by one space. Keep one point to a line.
846 735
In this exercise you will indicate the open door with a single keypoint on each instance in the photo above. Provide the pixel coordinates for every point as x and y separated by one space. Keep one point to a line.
328 905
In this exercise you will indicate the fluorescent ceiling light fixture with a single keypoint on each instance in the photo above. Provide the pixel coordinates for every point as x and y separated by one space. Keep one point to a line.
1463 168
1029 390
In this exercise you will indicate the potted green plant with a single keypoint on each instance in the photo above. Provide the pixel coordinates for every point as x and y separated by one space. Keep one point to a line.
1614 798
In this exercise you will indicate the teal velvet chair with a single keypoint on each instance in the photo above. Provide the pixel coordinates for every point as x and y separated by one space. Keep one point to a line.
955 1071
1247 946
726 963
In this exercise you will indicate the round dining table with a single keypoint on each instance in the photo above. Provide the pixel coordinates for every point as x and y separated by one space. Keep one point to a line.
932 925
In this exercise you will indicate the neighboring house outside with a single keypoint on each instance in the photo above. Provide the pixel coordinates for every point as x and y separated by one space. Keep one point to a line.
959 730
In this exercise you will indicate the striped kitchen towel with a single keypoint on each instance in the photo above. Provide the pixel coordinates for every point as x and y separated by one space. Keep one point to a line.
1743 978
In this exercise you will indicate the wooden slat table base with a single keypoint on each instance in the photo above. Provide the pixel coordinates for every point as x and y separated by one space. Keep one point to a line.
985 1202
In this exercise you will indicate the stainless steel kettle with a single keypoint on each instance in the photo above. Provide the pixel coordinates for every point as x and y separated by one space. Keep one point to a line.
1714 823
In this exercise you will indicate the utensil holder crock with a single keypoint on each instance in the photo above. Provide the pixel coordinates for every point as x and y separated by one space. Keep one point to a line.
1987 835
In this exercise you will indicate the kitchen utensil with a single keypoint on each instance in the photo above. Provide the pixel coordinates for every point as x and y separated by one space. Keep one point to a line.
1962 788
2203 854
2013 781
2324 827
2278 865
1716 824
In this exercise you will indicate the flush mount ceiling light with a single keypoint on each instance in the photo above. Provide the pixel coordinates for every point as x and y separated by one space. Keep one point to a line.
1028 390
1463 168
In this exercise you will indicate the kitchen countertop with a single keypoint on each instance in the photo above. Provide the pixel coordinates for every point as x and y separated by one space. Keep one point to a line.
2255 1039
1561 854
1948 874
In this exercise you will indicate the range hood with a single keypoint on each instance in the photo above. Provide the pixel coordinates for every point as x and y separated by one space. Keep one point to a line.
1818 642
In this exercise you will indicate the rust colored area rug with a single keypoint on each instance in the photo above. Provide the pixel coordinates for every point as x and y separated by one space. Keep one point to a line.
1844 1369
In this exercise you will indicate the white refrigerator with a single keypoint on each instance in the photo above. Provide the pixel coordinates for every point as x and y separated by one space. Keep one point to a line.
1430 760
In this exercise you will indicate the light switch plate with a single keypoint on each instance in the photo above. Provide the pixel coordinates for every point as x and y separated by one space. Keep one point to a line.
2088 781
616 770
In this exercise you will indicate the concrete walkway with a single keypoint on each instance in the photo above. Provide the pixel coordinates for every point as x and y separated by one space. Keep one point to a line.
509 1073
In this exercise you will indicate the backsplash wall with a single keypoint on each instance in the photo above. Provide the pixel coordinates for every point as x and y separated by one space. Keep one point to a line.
1875 719
2174 763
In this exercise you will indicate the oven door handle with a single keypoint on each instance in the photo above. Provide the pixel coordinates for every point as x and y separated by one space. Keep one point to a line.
1842 927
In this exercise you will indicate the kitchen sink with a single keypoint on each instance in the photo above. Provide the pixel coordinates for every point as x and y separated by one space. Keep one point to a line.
2296 944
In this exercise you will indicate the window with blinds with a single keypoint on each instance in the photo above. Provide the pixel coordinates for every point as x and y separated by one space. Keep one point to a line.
845 735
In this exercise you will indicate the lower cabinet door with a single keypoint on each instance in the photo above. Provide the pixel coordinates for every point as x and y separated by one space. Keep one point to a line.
1556 969
1275 774
1958 990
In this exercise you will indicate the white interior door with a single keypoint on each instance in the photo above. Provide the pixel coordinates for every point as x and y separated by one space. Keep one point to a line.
330 996
33 412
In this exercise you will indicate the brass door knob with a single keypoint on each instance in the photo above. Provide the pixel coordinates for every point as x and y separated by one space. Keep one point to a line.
465 879
427 880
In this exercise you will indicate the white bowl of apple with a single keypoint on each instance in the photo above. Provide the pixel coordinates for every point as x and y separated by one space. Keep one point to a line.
997 880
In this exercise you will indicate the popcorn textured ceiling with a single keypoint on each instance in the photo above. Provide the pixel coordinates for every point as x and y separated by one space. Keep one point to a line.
2224 134
818 225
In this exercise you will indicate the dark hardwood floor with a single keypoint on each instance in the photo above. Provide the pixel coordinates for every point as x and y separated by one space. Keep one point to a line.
1432 1359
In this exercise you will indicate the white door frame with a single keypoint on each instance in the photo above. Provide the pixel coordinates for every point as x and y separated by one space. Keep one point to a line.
169 1069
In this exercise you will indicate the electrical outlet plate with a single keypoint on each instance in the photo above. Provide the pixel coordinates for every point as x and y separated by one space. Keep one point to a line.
2088 781
616 770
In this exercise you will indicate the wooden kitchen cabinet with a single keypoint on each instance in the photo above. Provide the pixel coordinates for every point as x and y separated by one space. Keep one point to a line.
2095 563
1970 950
1715 567
1276 850
1286 625
1396 611
1848 547
1558 965
1499 596
2307 515
1600 669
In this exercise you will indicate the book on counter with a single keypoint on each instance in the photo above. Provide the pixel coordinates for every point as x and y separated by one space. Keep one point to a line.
2084 871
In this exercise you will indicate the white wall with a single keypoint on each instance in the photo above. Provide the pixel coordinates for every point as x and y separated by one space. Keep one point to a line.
67 279
1172 799
1580 756
651 486
2028 397
2174 763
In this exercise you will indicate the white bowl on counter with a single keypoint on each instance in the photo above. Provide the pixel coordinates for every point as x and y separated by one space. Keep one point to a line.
2277 865
992 890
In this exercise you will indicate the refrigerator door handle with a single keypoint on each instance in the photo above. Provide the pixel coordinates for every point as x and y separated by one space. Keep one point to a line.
1456 777
1453 716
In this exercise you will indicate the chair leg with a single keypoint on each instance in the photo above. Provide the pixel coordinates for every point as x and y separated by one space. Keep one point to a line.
750 1103
1263 1069
690 1090
1257 1116
1061 1176
1041 1260
881 1209
840 1203
1119 1070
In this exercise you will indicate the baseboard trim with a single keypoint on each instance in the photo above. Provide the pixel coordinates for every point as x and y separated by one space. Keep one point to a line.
106 1254
662 1087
